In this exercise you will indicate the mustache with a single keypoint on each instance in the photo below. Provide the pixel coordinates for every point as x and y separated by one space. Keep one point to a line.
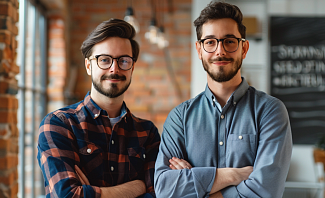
113 77
221 59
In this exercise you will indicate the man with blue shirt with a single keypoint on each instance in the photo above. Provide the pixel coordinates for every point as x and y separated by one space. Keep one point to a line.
231 140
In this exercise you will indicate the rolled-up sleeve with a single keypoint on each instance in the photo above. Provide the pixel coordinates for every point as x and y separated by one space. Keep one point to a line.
57 155
272 159
196 182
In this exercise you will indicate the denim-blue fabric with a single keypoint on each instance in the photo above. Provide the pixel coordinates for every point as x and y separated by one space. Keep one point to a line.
253 129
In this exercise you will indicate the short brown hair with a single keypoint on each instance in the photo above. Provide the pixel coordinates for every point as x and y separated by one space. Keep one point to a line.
110 28
219 10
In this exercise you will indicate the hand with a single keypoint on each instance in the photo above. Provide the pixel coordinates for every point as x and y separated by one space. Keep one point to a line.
82 177
178 164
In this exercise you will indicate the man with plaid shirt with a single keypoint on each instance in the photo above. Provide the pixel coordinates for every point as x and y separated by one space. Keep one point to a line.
97 148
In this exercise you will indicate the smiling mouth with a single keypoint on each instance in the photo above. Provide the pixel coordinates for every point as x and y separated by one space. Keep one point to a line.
221 63
114 78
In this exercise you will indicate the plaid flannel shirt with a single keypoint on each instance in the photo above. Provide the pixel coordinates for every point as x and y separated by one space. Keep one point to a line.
81 134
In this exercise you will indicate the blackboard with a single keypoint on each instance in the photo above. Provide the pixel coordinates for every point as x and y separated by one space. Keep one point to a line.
298 73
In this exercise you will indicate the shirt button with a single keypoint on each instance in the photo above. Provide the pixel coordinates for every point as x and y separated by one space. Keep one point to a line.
144 155
235 103
221 143
240 137
112 141
222 116
89 150
112 168
96 115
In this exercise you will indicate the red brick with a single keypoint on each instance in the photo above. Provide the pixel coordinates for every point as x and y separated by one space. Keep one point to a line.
8 162
5 37
8 102
3 131
3 86
8 117
14 130
5 8
9 177
13 190
5 145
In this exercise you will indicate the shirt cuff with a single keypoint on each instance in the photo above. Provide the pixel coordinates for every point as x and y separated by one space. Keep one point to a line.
91 191
230 192
203 179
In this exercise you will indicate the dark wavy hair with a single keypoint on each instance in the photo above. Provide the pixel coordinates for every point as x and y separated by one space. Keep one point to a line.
110 28
220 10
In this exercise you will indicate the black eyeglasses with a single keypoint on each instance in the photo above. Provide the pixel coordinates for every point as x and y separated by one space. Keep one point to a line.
230 45
106 61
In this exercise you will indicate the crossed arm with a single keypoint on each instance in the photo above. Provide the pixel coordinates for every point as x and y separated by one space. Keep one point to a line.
130 189
224 176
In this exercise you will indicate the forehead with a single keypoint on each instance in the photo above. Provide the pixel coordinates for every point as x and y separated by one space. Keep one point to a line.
220 28
114 46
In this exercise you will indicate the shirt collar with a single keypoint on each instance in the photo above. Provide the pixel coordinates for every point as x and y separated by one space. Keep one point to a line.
235 96
95 110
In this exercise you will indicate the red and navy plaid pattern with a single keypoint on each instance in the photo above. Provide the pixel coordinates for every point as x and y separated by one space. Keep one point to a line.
81 134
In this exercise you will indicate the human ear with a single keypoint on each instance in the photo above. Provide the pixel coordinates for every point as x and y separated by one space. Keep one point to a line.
198 49
88 66
245 48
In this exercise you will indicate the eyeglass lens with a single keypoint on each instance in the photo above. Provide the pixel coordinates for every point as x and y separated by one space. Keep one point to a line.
229 44
124 62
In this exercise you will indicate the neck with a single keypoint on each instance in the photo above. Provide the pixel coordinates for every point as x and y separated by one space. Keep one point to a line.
111 105
223 90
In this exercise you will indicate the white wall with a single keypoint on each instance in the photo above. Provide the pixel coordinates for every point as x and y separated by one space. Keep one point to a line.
255 67
198 75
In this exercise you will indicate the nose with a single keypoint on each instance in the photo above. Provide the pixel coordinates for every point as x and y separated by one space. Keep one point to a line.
114 67
220 51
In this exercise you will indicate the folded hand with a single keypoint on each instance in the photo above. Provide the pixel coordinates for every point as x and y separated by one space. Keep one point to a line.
177 164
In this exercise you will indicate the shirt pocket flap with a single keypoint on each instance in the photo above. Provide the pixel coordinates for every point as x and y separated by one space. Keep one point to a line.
89 149
138 152
242 137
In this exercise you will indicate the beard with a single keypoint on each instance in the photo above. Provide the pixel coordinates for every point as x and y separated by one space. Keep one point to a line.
222 75
113 91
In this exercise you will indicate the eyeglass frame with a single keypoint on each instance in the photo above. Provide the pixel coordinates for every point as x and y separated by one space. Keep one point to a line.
117 60
218 40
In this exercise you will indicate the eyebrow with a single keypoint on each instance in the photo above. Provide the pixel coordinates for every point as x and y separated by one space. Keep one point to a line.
226 36
111 55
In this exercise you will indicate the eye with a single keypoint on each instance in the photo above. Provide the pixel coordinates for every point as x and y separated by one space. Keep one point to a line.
230 41
104 59
125 60
210 42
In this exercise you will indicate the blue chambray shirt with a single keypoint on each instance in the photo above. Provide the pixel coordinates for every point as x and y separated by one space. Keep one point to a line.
252 129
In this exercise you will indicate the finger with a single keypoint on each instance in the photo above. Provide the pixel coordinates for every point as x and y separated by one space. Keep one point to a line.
82 175
77 172
188 165
172 167
182 163
175 164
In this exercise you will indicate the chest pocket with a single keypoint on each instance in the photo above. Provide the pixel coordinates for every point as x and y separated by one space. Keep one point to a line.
241 150
137 158
91 155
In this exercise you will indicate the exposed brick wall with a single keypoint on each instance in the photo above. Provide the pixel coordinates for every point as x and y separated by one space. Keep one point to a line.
57 62
152 94
8 100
